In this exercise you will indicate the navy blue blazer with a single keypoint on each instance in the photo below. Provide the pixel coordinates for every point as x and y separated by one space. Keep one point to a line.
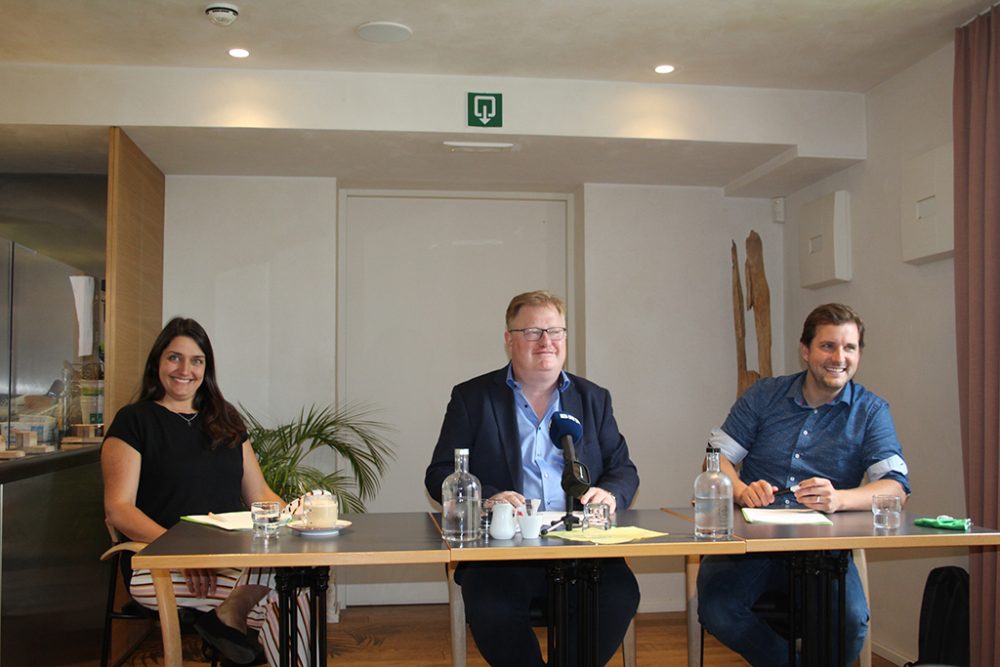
481 417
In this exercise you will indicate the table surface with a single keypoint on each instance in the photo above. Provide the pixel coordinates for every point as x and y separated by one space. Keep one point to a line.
679 541
850 530
372 539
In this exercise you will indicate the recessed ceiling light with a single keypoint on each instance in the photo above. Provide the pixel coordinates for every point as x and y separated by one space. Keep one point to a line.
239 53
384 32
663 69
478 146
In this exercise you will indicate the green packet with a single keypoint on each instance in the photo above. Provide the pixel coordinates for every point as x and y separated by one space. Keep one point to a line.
944 521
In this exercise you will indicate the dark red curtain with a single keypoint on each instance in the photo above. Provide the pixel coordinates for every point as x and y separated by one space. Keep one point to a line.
977 305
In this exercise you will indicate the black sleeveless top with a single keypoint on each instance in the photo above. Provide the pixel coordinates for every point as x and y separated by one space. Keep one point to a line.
180 475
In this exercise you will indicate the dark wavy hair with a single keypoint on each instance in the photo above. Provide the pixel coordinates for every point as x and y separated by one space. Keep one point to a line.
220 420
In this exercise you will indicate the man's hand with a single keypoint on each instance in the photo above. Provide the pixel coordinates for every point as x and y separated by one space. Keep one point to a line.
596 494
817 493
512 497
757 494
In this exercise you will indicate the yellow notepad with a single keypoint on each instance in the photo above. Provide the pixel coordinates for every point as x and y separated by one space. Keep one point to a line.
785 517
614 535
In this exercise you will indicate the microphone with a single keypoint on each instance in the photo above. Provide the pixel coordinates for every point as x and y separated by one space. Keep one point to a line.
565 431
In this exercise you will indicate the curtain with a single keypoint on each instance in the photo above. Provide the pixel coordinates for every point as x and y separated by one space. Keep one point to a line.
977 305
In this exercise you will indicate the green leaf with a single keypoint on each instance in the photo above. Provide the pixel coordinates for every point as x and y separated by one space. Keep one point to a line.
350 431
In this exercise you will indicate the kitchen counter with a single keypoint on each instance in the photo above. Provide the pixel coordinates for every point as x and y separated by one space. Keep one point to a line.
12 470
52 583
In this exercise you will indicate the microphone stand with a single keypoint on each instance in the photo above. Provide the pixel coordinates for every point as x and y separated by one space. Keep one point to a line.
570 519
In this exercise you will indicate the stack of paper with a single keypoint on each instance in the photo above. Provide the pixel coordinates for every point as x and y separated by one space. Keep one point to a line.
785 517
225 520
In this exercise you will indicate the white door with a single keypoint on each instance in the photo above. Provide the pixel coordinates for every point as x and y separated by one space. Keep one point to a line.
424 280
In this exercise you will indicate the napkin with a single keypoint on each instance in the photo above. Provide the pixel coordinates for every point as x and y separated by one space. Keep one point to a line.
944 521
614 535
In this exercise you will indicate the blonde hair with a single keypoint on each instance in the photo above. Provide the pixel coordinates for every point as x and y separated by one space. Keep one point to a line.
536 298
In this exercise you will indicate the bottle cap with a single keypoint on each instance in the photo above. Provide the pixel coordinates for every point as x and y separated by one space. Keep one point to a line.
711 450
462 451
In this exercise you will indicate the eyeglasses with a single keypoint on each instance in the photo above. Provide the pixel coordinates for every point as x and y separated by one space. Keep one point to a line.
534 333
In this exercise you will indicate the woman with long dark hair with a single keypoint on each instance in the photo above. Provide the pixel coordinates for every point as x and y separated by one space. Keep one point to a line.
182 449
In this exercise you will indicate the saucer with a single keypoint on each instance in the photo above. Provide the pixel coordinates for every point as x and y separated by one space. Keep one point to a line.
300 528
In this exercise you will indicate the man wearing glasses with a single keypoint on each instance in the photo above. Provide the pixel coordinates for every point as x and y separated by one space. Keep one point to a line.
503 419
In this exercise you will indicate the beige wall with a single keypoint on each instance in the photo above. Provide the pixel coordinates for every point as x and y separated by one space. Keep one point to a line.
909 356
254 260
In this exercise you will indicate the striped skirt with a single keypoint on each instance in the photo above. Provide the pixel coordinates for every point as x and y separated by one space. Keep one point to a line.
263 617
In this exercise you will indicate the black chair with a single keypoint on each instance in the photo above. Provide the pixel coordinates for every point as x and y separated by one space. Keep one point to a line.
132 610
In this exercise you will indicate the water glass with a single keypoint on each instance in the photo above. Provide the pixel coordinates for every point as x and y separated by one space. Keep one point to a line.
266 518
597 515
886 511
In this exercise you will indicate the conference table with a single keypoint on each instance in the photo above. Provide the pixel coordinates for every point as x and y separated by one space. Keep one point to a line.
412 538
409 538
804 545
578 561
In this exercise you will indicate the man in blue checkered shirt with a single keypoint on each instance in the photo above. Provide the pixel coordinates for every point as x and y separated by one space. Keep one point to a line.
819 432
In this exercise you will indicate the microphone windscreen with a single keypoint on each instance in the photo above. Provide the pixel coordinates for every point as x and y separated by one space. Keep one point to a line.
564 424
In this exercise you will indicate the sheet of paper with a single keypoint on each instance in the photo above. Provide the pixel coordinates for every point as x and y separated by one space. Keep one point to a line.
225 520
785 517
614 535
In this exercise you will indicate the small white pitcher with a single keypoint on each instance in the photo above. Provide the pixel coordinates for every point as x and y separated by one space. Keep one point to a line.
502 521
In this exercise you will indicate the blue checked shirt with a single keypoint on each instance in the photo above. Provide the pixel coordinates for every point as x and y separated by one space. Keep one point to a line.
779 438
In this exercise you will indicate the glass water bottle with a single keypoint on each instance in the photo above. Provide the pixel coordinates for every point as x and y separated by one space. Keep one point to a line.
713 500
461 500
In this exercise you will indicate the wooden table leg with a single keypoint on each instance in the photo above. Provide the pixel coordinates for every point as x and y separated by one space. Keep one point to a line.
170 626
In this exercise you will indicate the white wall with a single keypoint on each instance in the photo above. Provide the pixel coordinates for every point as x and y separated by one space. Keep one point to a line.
254 260
660 332
909 357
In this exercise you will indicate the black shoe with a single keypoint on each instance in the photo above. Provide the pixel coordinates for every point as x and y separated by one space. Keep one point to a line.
234 645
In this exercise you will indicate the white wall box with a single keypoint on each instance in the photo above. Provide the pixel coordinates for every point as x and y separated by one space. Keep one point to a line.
825 241
926 207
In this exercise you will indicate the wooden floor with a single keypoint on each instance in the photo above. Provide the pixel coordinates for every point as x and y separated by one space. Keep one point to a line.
418 636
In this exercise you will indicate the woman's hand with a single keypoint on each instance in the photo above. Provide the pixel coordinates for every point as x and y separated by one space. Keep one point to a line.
201 583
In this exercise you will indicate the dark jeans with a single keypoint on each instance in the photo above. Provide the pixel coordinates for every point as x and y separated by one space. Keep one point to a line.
728 587
498 597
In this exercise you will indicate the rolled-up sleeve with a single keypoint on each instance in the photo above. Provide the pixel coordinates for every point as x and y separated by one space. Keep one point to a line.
883 453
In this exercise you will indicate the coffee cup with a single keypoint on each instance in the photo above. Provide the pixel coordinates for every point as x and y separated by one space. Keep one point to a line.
320 511
531 525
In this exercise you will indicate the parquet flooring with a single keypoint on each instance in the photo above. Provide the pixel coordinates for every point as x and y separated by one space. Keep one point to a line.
418 636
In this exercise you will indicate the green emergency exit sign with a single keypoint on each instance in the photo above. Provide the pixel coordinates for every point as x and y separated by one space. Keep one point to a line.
485 110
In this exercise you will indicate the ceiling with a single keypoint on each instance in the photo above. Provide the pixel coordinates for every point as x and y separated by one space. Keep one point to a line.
842 45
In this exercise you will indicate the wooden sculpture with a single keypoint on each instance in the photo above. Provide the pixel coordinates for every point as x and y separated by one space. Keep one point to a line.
759 299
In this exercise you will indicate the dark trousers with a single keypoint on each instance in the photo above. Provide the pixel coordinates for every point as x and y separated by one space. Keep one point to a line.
728 587
498 597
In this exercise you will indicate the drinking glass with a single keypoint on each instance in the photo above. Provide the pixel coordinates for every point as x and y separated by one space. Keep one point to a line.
886 511
597 515
266 517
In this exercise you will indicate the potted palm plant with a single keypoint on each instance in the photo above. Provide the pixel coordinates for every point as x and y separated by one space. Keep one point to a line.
349 431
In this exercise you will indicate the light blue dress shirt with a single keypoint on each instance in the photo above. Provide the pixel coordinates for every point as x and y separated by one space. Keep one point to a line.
541 460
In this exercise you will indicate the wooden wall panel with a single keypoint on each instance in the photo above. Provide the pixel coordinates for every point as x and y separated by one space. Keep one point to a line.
134 316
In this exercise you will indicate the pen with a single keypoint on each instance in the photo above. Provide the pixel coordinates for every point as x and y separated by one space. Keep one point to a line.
791 489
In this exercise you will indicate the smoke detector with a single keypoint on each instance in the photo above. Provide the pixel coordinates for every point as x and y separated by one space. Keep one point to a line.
222 14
